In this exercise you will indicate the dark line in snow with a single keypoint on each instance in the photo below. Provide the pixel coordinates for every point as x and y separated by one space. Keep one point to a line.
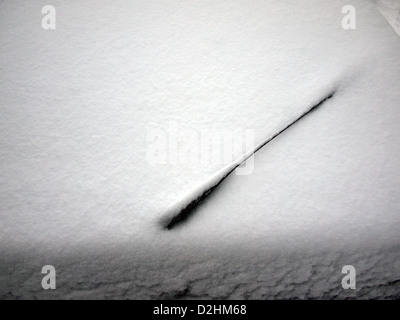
179 211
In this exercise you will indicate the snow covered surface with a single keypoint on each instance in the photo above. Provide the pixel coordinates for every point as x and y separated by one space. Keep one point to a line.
390 9
77 192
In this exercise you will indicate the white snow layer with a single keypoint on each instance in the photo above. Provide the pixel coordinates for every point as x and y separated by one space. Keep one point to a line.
390 9
77 192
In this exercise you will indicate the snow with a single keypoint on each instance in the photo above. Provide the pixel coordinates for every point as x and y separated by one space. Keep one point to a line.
77 192
390 9
182 208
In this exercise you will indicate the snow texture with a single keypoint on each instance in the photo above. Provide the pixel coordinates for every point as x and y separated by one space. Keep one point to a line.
181 209
390 9
76 189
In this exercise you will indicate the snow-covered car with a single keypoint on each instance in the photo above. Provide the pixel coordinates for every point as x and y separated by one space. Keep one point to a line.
90 88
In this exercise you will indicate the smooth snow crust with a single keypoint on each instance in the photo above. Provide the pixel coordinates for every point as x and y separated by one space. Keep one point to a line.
77 192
